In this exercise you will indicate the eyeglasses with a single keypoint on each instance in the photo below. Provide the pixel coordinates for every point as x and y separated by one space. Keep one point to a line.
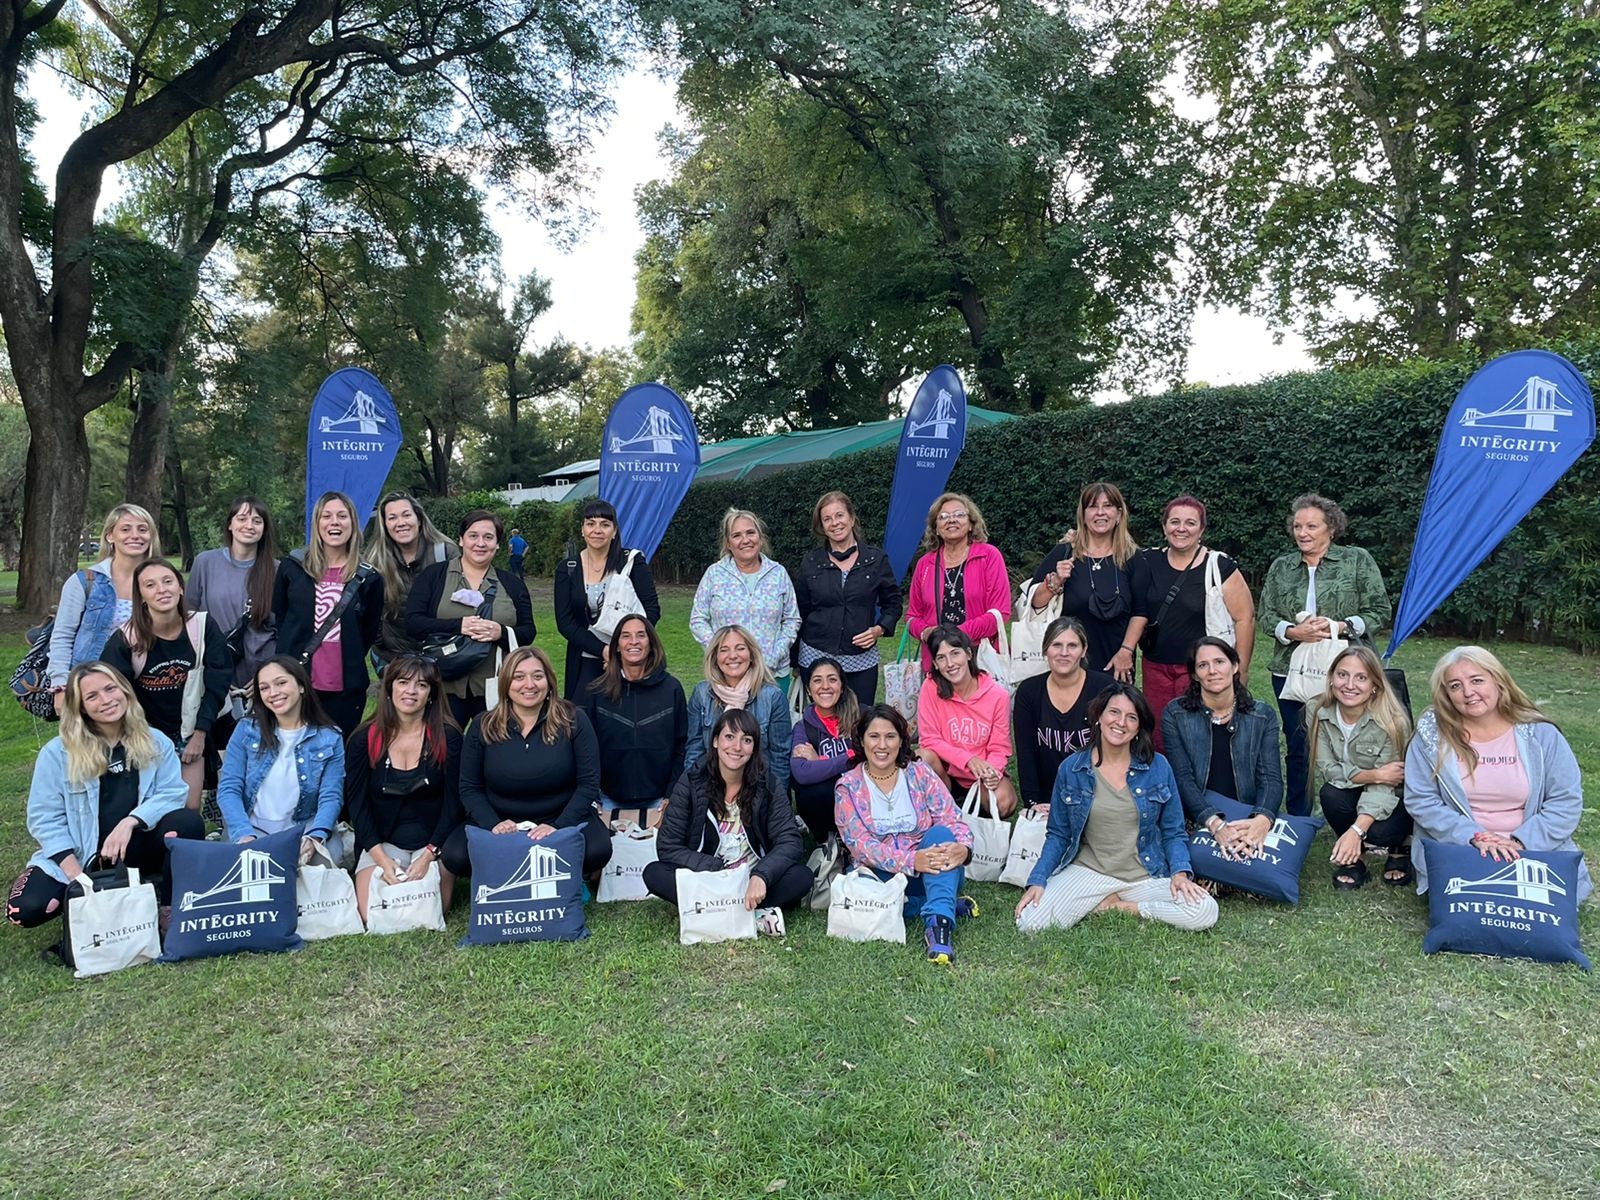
950 518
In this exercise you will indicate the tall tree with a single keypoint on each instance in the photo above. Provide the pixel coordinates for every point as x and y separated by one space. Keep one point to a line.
283 96
1433 161
1023 151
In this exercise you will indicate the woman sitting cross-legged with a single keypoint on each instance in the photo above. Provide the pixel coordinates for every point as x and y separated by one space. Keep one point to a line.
285 763
964 720
1219 738
822 749
532 759
737 676
401 775
725 813
1115 842
1488 769
109 788
895 816
1359 739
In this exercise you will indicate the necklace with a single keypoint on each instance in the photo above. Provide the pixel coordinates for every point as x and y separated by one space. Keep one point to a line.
883 781
1222 718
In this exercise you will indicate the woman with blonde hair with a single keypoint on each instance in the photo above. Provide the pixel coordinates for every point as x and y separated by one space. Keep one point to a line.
530 761
745 587
97 599
737 676
1359 730
1488 769
108 789
328 605
960 577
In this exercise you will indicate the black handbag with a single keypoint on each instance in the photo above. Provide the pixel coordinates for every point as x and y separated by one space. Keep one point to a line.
455 654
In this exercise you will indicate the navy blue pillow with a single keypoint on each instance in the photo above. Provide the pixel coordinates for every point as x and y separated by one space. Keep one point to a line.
229 897
523 890
1522 909
1275 872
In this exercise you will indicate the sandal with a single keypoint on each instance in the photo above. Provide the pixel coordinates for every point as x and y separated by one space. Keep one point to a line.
1399 865
1351 878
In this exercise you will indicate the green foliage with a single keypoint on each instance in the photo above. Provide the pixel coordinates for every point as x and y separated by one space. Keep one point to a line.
998 185
1366 439
1434 160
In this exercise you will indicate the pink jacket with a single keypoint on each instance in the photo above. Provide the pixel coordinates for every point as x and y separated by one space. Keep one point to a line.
985 583
852 812
956 729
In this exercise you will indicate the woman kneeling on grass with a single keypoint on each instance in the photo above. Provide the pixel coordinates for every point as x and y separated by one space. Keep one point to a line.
725 813
895 816
108 789
1359 732
401 775
1116 821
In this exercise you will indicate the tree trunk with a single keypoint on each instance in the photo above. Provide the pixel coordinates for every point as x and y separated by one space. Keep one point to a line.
180 511
147 443
56 482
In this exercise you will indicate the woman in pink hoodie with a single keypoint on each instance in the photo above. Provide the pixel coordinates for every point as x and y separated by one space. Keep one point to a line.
964 720
960 577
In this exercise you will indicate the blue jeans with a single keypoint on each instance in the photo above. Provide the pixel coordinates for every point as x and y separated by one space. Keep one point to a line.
1296 763
932 895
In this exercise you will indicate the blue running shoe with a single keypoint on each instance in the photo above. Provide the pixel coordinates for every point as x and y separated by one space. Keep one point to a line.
966 907
941 939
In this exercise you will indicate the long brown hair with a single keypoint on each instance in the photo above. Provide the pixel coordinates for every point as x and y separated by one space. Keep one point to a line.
384 554
264 571
752 778
610 682
1384 706
557 714
385 724
1123 546
311 710
140 629
316 562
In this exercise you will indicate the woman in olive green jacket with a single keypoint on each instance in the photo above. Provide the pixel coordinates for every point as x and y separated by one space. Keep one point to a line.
1317 591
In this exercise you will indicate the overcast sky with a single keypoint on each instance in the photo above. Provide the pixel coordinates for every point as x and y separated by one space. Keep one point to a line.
592 283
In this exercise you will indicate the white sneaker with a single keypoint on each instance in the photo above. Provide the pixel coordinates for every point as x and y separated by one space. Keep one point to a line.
770 922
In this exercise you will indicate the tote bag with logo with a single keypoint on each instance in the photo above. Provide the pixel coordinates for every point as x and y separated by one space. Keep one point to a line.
1027 843
325 897
525 890
991 836
231 897
864 908
404 906
1219 621
1027 636
111 922
711 906
632 850
1308 668
621 600
997 661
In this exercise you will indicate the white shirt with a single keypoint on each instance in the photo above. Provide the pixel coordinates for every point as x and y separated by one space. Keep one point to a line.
280 790
892 812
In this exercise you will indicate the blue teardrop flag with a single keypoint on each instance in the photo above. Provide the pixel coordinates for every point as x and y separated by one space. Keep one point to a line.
1515 429
351 441
931 439
649 453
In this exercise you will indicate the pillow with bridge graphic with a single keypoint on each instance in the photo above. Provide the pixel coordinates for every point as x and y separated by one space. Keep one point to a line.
1526 908
230 897
1274 873
523 890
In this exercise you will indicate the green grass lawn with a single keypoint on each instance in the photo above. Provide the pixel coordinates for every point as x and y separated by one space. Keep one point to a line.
1308 1052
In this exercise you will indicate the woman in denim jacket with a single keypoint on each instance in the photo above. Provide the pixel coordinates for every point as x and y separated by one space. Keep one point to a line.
1220 739
285 763
1116 821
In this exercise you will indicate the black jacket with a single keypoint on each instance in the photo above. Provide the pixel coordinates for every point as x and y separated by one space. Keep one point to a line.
572 612
422 606
688 839
831 612
375 814
294 609
642 738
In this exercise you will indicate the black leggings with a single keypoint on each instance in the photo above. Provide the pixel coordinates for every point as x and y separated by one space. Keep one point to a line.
864 684
38 896
793 886
464 708
345 708
813 804
1339 806
596 849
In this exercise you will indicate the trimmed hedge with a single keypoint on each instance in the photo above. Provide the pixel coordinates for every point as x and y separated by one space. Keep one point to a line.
1366 439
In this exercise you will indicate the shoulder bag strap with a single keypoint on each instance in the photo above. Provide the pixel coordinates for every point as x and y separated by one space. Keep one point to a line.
486 609
1172 594
322 631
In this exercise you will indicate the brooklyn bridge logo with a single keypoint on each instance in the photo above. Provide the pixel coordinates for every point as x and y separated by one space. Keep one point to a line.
1536 406
1524 879
539 877
248 881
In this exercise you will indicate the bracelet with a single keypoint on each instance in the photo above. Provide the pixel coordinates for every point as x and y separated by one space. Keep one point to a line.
1129 649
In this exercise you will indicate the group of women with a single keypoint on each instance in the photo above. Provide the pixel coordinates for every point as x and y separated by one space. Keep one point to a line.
262 661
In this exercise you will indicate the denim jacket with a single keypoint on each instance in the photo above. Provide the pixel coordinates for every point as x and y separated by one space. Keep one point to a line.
64 816
86 615
1163 846
1257 774
320 755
